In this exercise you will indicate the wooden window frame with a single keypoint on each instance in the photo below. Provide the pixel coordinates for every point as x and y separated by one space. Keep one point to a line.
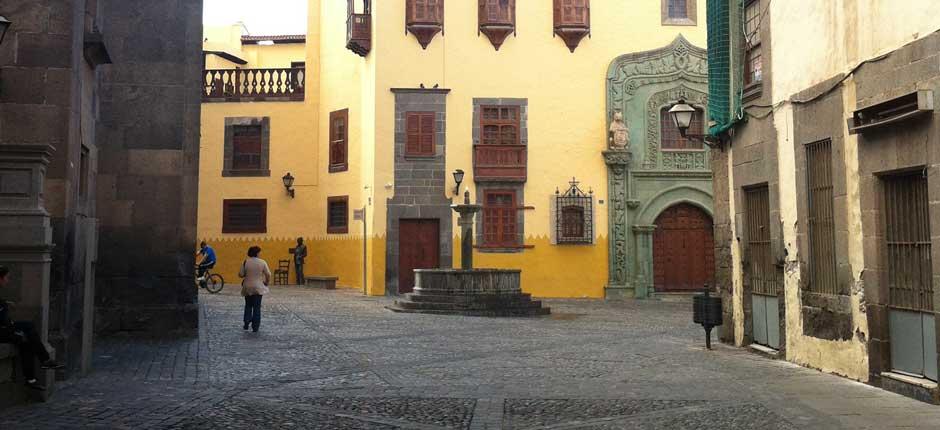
691 14
339 163
414 144
261 227
513 208
752 47
516 123
821 231
684 144
337 229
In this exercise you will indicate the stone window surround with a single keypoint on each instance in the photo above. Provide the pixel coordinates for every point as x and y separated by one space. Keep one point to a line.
230 123
690 20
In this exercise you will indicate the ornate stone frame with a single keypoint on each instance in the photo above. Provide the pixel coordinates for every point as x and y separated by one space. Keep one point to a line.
694 159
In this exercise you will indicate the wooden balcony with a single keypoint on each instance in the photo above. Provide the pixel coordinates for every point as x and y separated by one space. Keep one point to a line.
254 85
359 33
499 163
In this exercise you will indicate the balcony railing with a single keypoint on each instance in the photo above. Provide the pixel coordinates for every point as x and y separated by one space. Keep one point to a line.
499 162
241 85
359 33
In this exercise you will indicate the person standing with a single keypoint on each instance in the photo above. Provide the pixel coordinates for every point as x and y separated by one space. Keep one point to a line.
255 276
23 334
300 253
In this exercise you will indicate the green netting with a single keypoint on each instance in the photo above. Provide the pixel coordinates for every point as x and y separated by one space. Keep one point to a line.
724 72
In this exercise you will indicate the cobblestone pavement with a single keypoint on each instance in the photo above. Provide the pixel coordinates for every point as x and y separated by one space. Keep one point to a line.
336 360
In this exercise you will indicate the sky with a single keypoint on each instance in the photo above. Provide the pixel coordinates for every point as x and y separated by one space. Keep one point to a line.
262 17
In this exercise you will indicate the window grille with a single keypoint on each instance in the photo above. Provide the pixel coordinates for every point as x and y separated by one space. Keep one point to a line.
822 243
244 216
337 215
574 215
763 272
907 239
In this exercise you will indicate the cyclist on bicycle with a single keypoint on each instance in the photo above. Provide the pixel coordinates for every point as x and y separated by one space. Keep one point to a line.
207 262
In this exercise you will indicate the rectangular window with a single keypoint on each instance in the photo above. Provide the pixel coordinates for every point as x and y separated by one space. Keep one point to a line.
499 218
246 147
761 260
669 133
245 216
821 240
677 9
339 140
907 238
679 12
420 130
337 215
499 125
753 67
572 13
425 11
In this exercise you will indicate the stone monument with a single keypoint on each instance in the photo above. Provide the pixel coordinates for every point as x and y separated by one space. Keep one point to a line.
619 133
468 291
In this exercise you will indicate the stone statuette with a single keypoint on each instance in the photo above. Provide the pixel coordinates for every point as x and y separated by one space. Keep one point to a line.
619 133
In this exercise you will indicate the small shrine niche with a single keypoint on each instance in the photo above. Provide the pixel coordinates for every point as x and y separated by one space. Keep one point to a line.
497 20
573 214
572 21
424 19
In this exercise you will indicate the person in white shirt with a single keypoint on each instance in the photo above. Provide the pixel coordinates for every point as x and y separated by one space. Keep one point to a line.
255 276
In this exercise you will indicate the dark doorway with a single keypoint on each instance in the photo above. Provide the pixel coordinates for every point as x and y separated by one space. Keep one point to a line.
683 249
419 247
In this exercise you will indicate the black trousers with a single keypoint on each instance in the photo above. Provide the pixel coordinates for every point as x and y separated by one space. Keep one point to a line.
299 271
30 346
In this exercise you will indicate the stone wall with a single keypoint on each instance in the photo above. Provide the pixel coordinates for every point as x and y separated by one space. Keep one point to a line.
148 169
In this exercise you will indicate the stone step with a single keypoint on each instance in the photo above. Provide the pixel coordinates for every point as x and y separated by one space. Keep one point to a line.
528 312
485 306
441 298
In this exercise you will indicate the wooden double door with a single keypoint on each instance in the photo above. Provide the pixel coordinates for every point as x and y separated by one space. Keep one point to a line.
683 249
419 247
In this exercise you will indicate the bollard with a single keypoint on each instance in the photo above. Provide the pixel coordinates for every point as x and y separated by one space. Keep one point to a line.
706 310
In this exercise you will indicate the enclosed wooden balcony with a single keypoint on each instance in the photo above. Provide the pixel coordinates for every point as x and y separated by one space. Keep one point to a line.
499 163
359 28
572 21
424 19
254 85
497 19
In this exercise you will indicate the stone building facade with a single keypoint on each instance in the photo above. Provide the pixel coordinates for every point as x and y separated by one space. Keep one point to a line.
98 156
824 186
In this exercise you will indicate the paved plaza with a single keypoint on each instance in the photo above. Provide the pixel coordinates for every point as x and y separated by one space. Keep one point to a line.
337 360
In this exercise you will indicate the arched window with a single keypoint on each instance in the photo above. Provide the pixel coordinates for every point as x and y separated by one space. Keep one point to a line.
669 133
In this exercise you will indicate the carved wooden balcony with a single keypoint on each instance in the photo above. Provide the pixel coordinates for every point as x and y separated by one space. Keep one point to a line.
497 19
572 21
252 85
499 163
424 19
359 33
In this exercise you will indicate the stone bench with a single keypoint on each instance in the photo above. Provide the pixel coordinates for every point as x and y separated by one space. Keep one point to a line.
324 282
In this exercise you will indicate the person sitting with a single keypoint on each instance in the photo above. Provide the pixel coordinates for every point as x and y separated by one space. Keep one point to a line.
207 262
23 334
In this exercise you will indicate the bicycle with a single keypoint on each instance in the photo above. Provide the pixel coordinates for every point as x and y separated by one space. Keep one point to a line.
212 282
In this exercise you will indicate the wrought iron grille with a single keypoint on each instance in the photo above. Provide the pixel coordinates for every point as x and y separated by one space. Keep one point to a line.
907 238
762 271
822 243
574 215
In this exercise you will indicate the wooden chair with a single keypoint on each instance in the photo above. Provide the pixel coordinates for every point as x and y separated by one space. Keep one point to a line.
282 273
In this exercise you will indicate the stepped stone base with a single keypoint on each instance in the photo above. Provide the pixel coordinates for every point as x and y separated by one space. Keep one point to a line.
477 292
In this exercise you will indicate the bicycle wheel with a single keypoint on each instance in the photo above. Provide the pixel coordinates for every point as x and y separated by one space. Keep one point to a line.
215 283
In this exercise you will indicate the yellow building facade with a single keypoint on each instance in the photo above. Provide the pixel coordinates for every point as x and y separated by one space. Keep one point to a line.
384 122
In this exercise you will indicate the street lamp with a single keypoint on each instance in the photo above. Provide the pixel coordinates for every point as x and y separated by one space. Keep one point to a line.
458 178
289 184
682 114
4 26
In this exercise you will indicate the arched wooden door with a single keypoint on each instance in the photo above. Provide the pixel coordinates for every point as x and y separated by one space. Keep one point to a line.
683 249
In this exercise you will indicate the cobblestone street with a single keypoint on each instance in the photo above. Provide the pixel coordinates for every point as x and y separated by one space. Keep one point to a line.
336 360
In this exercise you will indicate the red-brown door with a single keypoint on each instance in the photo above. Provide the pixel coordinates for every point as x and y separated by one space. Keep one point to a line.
419 247
683 249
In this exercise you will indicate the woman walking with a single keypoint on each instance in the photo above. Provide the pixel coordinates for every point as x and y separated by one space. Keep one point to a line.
256 275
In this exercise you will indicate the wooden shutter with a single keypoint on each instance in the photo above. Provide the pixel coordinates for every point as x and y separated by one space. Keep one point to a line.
425 11
244 216
497 12
500 125
420 131
572 222
572 13
337 215
339 140
499 218
246 147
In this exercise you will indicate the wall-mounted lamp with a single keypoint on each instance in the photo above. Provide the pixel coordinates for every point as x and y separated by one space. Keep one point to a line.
458 178
682 115
289 184
4 26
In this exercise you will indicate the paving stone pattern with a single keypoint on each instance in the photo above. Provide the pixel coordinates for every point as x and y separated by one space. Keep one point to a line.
336 360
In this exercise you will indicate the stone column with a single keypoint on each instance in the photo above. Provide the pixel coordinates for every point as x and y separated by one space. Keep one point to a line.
643 284
27 235
618 164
